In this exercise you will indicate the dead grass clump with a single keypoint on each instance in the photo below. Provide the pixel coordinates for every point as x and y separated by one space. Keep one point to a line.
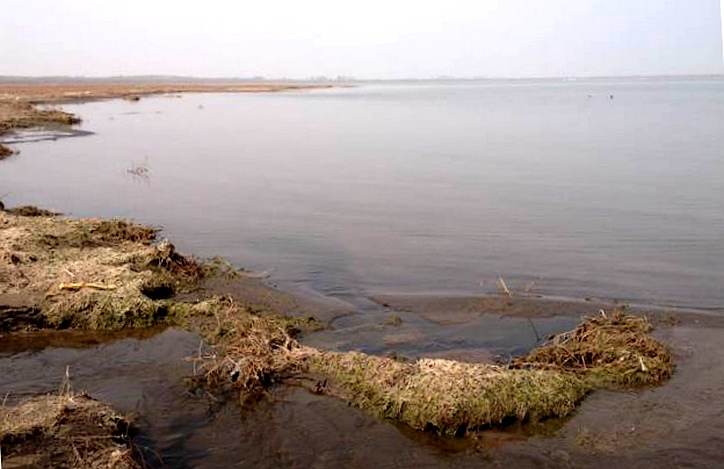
5 152
607 350
31 211
109 232
90 274
22 115
65 431
165 258
53 116
99 233
91 309
249 350
445 396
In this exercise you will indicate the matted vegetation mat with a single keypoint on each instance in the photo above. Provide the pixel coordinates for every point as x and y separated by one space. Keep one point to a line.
246 348
447 396
608 350
442 396
65 432
89 273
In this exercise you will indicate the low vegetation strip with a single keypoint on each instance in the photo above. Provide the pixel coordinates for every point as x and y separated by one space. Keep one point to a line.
446 396
20 114
443 396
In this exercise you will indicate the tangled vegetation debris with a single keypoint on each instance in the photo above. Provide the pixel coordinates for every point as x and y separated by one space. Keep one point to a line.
251 349
31 211
5 152
613 350
443 396
73 431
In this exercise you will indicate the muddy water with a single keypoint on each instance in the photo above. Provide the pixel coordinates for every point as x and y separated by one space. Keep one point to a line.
679 425
142 373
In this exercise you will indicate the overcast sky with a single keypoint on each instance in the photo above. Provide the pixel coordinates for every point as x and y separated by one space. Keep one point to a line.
367 39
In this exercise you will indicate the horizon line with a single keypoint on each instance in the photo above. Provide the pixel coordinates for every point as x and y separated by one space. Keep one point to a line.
341 78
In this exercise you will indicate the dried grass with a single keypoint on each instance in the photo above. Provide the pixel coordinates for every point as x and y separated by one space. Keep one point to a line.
31 211
445 396
248 350
40 256
65 431
613 350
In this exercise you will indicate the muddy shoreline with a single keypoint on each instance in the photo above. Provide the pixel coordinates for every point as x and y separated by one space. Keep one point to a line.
20 101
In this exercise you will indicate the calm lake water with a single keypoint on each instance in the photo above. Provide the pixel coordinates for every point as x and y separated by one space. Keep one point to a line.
434 188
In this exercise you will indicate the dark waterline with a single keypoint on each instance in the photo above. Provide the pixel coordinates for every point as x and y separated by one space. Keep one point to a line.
417 188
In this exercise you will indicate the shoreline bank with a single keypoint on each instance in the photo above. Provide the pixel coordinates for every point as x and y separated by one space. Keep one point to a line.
19 101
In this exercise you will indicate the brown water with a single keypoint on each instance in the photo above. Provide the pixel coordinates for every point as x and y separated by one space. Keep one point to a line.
142 372
679 425
418 188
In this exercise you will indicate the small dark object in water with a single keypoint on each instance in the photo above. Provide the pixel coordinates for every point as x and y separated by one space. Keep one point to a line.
610 97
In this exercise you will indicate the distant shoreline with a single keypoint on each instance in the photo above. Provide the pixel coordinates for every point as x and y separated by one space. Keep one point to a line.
18 99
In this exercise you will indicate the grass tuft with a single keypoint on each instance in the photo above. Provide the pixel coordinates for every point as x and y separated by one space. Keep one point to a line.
613 350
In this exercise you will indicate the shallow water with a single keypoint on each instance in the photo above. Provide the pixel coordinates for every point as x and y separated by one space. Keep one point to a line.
142 373
407 188
678 425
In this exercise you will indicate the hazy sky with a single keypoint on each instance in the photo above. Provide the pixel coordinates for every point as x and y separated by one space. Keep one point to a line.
367 39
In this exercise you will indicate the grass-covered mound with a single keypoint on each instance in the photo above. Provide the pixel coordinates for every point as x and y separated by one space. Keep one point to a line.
443 396
249 348
65 431
447 396
613 350
90 273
